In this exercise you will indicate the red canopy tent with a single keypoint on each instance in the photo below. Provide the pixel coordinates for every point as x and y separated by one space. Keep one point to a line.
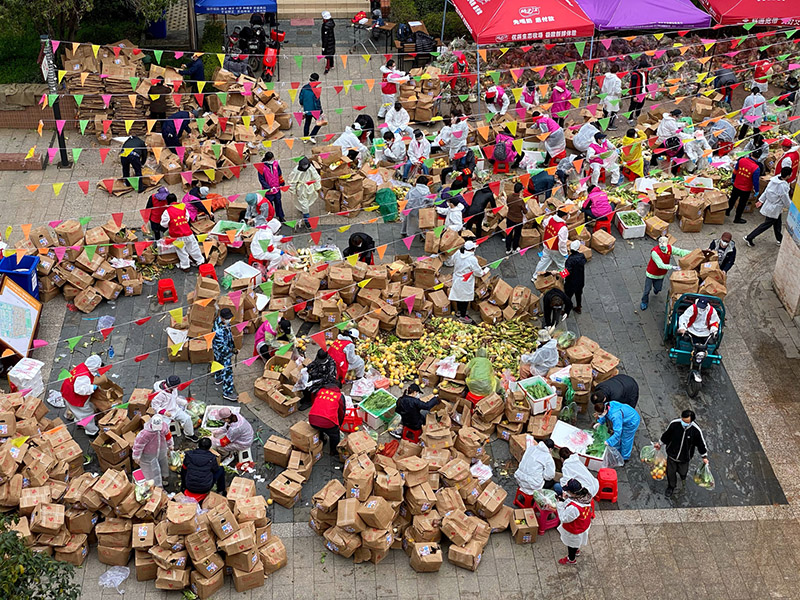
774 12
499 21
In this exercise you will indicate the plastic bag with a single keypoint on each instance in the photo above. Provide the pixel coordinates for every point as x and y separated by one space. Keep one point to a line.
569 393
612 458
447 367
566 339
481 380
704 478
55 399
362 387
647 454
175 460
545 499
658 470
196 409
568 414
114 577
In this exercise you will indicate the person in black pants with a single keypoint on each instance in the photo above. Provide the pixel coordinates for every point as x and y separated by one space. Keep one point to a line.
201 470
772 203
311 104
327 413
638 88
556 306
574 280
473 214
680 440
328 40
135 158
514 217
412 410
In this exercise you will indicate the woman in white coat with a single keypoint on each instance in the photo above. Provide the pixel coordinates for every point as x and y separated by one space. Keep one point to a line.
465 270
575 514
304 181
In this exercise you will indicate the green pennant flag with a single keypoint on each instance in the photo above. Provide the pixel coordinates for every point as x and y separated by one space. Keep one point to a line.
438 230
563 113
201 122
634 56
580 47
272 319
63 375
158 54
535 172
51 98
217 148
298 59
223 98
297 158
463 97
73 341
124 405
291 224
434 54
781 108
84 221
495 75
271 86
344 325
418 77
790 33
496 263
265 244
748 26
83 123
286 347
78 99
602 95
628 114
358 87
772 100
90 250
134 82
604 122
338 111
762 48
76 152
489 116
133 182
428 162
266 288
783 57
571 68
432 137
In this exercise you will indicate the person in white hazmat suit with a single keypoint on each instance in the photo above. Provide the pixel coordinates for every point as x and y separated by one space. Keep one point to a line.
465 269
175 220
536 468
170 404
150 449
265 247
304 181
573 468
397 120
351 140
545 357
235 435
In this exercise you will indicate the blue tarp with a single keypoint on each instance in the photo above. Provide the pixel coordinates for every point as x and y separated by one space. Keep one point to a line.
234 7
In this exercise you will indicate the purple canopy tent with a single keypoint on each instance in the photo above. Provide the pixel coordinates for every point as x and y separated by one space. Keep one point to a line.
644 14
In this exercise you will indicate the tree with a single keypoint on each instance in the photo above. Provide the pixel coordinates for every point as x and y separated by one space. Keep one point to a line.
152 10
58 18
26 575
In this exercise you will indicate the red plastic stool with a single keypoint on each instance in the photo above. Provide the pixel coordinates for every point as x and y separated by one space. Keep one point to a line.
608 485
196 497
523 500
411 435
547 519
351 420
724 148
207 270
501 166
474 399
167 291
554 160
604 223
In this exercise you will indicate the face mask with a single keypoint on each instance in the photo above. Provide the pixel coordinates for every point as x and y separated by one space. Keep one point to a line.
685 424
723 244
663 248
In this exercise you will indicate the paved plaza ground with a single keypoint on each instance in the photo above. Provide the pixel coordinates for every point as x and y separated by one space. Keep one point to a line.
740 541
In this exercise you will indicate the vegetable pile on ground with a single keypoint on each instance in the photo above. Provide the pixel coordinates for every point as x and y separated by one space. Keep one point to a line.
378 401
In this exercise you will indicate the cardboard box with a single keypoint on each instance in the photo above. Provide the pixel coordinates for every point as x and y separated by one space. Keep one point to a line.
524 526
602 242
277 451
172 579
712 287
328 497
691 225
206 587
273 555
303 436
341 542
115 556
285 489
222 522
684 282
467 556
655 227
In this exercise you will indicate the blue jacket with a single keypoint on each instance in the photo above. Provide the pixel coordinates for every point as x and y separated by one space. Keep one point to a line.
195 71
620 415
168 126
308 99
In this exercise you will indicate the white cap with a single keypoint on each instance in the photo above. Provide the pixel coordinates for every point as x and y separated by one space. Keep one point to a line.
204 191
93 363
353 333
575 245
326 15
356 127
469 245
156 423
663 240
544 336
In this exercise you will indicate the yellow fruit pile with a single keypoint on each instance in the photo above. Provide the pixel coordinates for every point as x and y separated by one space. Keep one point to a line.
659 469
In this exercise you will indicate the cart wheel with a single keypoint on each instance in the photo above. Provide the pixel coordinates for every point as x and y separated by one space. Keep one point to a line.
692 385
255 64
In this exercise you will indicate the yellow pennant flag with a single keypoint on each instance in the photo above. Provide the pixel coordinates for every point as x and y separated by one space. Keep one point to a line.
221 58
362 284
560 67
267 143
30 153
579 229
347 83
246 120
61 74
57 188
180 206
708 46
150 124
678 65
366 57
9 229
438 286
517 93
175 348
352 259
215 366
200 86
371 208
540 219
177 314
517 144
95 49
202 237
210 173
512 127
292 94
658 36
178 243
344 228
576 102
128 125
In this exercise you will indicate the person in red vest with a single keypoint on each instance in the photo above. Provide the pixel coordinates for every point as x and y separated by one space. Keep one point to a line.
658 266
343 353
388 86
575 514
176 220
327 413
554 250
762 69
790 158
746 174
157 203
77 388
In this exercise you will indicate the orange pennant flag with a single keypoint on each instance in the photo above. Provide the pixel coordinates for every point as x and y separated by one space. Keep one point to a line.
484 132
551 170
381 250
543 136
157 152
207 204
204 301
543 89
370 84
150 124
209 337
207 248
482 54
26 230
344 60
578 164
20 254
33 187
44 251
289 142
231 233
401 204
270 119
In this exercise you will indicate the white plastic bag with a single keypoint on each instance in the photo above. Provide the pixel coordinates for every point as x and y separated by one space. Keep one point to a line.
447 367
114 577
613 458
362 387
482 472
55 399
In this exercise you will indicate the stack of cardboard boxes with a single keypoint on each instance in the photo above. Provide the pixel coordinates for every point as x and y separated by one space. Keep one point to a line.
700 273
77 262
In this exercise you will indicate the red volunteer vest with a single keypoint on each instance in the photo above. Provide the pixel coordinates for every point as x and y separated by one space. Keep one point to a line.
652 268
68 387
270 212
743 178
336 350
795 158
159 206
583 521
760 72
551 233
326 406
178 223
388 87
693 318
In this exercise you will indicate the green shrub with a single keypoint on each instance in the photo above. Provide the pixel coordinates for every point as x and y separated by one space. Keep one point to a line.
453 25
18 54
213 41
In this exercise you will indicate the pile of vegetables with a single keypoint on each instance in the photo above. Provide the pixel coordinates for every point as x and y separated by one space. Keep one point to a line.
399 360
598 446
378 401
537 389
631 219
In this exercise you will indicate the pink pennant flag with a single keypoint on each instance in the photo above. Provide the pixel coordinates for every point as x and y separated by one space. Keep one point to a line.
248 88
299 117
521 112
178 123
187 177
660 53
585 179
235 298
56 44
180 151
60 124
592 108
406 212
178 54
410 303
457 133
60 252
251 360
409 240
85 421
55 224
793 66
25 392
242 326
51 153
576 85
233 198
524 250
39 343
106 99
606 43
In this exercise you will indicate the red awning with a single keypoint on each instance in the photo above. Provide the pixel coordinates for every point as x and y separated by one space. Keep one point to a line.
773 12
498 21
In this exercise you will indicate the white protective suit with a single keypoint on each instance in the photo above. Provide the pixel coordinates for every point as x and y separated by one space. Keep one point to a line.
397 121
612 87
610 162
465 262
703 325
419 151
189 247
566 514
305 193
394 153
239 436
695 147
272 258
83 386
536 467
755 105
150 449
668 128
354 361
544 358
171 405
573 468
349 139
584 137
453 216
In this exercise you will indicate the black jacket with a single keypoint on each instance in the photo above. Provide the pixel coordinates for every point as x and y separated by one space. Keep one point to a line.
168 126
366 249
409 407
328 37
730 256
139 148
620 388
575 264
680 443
200 471
547 302
320 374
481 200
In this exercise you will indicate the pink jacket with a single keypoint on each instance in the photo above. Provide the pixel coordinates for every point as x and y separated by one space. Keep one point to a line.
261 333
502 138
598 203
560 100
147 442
190 208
